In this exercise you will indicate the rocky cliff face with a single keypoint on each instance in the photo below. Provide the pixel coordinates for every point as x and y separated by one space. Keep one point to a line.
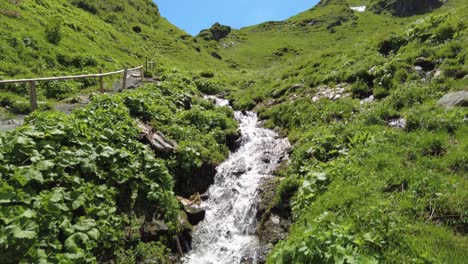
405 7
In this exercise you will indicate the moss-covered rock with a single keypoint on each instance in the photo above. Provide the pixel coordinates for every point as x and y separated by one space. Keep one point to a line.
216 32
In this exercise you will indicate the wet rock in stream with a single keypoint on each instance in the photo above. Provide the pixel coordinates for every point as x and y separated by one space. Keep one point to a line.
274 219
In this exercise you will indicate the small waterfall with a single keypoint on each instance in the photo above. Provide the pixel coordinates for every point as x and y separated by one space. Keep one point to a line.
227 235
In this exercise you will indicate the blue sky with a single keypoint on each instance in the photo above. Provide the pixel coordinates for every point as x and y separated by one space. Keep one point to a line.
195 15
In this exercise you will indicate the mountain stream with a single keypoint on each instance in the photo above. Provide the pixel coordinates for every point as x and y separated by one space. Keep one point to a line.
227 234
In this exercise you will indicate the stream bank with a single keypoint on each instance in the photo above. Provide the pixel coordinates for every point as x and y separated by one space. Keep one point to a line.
228 233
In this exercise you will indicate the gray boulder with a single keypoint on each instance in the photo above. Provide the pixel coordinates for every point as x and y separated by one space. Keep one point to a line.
151 231
454 99
195 213
157 140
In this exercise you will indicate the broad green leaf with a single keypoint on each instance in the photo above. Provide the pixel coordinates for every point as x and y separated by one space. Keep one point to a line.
27 232
79 201
320 176
53 202
22 140
44 165
71 258
33 174
28 213
7 193
94 233
85 225
107 152
24 234
34 134
36 156
56 132
72 243
56 196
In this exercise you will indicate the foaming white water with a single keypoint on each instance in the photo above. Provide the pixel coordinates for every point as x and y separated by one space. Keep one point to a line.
227 233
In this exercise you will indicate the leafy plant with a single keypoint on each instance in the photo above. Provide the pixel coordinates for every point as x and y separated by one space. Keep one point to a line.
54 32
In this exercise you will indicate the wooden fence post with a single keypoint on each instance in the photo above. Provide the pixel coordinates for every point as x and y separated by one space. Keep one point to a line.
33 95
142 74
146 66
101 81
124 82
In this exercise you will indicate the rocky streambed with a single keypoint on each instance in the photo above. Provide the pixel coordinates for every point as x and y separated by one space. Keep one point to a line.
228 231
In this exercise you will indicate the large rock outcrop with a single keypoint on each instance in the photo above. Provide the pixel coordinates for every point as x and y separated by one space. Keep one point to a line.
405 7
216 32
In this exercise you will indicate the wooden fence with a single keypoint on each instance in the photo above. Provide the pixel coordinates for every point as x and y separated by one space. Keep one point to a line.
149 65
100 75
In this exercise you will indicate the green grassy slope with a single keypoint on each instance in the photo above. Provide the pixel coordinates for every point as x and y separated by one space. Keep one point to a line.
311 47
43 37
363 191
359 189
66 37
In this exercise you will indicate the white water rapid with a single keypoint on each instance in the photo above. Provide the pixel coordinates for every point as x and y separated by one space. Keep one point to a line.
227 235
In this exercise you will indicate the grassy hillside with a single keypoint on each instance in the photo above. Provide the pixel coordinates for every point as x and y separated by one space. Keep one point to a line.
42 37
378 171
312 47
65 37
361 187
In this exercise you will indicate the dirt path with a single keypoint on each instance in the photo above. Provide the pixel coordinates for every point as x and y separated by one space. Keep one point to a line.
11 123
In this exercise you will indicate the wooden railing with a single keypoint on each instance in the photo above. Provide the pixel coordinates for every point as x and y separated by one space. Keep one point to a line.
100 75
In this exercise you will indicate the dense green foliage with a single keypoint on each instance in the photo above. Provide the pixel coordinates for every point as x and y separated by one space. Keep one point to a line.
363 187
79 188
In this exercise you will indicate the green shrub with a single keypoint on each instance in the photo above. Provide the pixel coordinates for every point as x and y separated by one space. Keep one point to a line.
59 89
455 71
95 183
409 96
360 89
433 145
106 160
449 50
360 75
78 61
54 32
390 45
219 31
444 32
16 88
88 82
433 118
207 74
380 92
15 103
208 87
86 5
